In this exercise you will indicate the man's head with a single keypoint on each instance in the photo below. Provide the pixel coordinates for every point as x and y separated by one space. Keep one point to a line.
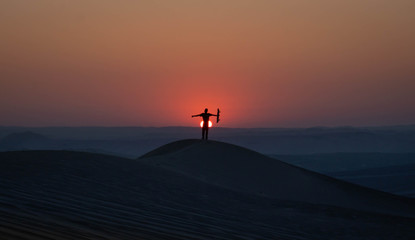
206 110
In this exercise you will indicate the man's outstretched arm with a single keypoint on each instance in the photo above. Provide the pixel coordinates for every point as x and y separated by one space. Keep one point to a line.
198 115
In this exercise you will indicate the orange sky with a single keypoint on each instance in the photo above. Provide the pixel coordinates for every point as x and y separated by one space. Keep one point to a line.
294 63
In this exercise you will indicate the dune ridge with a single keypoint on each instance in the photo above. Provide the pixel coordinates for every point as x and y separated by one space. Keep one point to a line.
244 170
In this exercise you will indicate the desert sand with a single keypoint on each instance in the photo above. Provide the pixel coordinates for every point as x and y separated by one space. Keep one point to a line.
188 189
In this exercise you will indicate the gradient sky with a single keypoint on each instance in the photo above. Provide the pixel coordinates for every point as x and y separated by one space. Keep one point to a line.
293 63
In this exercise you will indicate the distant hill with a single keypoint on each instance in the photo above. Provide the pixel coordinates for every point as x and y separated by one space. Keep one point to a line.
24 140
136 141
389 172
350 161
394 179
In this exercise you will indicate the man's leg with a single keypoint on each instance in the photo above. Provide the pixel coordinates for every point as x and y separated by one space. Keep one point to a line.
203 133
207 131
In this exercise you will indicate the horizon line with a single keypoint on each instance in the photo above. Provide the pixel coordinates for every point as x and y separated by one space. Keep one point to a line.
224 127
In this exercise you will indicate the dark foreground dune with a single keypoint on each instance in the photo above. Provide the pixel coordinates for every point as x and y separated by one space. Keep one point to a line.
73 195
243 170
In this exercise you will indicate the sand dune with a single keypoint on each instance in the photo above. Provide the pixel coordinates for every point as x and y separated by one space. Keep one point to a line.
73 195
241 169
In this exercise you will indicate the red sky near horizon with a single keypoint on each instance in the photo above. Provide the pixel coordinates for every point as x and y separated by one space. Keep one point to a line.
155 63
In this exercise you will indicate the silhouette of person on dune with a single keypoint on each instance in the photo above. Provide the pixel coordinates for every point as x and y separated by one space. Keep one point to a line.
205 128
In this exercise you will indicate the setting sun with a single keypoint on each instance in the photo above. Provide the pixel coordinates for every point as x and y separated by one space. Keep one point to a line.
209 125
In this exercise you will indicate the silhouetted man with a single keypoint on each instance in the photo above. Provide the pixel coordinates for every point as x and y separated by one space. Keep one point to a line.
205 127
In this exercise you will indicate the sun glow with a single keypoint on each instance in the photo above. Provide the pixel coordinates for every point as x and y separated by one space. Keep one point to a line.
209 124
